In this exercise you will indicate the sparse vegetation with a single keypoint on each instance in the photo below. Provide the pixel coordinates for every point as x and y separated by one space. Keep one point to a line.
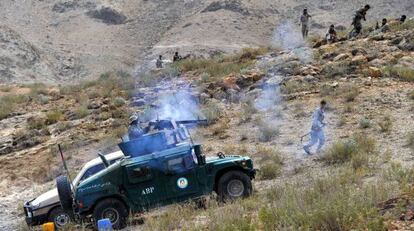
402 73
54 116
356 150
81 112
36 122
410 140
270 163
211 111
221 66
364 123
350 91
119 101
9 103
267 131
385 124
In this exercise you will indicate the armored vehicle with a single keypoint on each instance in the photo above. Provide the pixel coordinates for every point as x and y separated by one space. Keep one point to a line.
160 168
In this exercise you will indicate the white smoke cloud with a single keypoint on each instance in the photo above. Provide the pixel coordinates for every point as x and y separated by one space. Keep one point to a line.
181 105
287 36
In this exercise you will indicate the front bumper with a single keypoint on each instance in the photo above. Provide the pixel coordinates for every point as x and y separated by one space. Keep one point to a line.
252 173
31 219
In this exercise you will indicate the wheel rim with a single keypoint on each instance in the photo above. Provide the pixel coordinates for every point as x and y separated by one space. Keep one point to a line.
235 188
112 214
62 220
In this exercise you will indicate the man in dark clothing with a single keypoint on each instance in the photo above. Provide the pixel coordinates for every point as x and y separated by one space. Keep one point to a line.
331 36
384 26
402 19
304 20
176 57
159 62
356 22
134 130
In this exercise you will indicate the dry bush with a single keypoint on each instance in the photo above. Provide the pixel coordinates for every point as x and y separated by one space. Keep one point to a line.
5 88
385 124
350 92
299 110
270 162
54 116
36 122
119 102
212 112
81 112
220 127
248 109
411 95
235 149
328 203
267 131
337 69
349 108
410 140
407 25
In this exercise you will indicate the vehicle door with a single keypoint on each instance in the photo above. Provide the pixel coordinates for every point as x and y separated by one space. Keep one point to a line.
180 177
140 185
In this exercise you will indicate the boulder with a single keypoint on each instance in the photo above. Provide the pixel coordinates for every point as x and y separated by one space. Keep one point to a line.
138 102
359 60
229 82
374 72
341 57
94 105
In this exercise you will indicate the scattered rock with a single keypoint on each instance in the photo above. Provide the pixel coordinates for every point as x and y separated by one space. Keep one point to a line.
108 16
94 105
230 5
138 103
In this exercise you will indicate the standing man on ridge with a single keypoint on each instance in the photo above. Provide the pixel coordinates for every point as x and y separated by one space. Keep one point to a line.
317 134
356 22
304 20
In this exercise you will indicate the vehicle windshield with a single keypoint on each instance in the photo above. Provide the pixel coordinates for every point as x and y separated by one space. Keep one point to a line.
92 171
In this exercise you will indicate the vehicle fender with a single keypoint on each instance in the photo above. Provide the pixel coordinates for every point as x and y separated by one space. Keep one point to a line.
115 196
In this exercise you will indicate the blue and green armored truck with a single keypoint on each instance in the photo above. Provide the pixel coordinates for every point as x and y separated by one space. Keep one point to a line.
160 168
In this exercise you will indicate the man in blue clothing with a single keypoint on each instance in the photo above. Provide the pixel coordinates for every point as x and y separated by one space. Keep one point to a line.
316 133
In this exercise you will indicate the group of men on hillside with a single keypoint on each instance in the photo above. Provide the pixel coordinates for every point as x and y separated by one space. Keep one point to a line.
160 62
360 14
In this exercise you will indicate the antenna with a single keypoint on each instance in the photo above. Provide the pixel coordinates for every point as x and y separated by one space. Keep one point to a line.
65 166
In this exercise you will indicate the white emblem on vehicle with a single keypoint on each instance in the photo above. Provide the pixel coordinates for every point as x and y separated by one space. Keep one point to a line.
147 191
182 182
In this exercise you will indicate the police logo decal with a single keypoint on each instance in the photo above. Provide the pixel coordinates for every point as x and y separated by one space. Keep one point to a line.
182 183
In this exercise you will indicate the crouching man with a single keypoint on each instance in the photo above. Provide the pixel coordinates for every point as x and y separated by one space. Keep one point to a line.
317 134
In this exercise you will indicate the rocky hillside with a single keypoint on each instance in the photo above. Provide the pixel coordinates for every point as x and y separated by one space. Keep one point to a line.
80 39
259 103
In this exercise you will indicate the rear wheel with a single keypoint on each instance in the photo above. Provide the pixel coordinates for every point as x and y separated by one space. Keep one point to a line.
112 209
234 185
65 193
59 217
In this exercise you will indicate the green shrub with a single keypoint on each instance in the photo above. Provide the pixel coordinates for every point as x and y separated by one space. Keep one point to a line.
402 73
119 101
54 116
43 99
81 112
364 123
356 150
270 162
9 103
205 77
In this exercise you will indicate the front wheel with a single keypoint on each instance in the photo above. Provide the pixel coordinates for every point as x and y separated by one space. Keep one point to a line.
59 217
234 185
112 209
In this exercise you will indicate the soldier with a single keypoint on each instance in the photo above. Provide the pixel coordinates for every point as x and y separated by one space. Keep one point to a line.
159 62
176 57
304 20
384 26
316 133
402 19
134 130
356 22
331 36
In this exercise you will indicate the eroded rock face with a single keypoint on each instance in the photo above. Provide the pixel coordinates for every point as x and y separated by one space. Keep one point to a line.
230 5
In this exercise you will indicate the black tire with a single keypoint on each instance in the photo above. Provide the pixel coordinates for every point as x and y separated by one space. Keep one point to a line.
234 185
65 193
113 209
59 217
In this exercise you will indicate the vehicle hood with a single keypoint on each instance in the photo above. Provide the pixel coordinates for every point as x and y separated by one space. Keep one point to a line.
215 159
47 198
